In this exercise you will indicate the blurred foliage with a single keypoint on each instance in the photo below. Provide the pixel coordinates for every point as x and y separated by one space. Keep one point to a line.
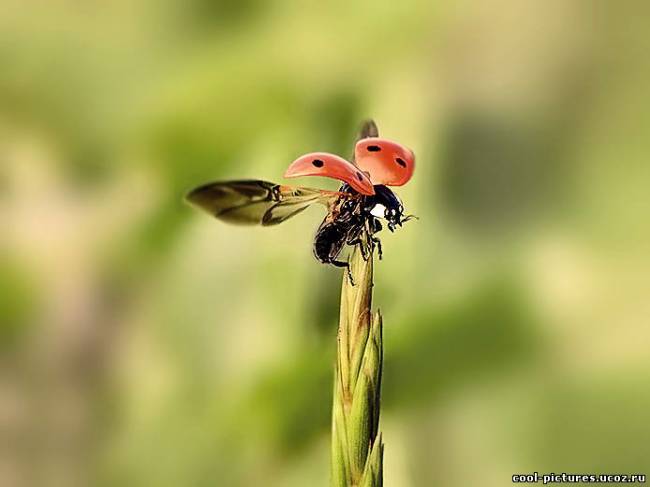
486 332
18 300
145 344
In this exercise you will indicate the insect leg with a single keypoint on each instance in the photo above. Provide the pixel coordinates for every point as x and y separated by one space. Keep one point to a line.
377 242
370 229
346 265
360 243
355 237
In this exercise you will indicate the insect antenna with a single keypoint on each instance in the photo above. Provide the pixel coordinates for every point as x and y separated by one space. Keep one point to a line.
408 218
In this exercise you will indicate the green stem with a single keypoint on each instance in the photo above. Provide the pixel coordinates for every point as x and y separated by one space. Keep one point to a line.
357 447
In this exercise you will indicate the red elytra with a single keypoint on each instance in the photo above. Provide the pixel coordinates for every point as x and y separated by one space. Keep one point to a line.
386 162
331 166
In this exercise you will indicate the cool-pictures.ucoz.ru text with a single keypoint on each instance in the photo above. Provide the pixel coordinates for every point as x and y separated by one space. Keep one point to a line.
573 478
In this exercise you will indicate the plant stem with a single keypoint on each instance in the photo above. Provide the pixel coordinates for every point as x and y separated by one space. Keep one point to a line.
357 448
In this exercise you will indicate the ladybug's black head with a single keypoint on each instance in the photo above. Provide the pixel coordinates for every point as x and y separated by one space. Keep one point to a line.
386 205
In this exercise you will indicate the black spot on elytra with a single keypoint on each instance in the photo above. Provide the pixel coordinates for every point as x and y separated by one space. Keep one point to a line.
400 161
317 163
373 148
359 176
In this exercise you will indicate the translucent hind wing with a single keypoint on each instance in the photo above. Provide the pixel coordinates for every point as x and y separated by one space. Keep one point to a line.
255 202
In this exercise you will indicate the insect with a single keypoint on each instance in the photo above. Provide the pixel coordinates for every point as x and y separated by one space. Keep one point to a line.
353 213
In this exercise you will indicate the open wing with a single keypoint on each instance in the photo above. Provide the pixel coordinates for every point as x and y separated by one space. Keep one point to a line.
253 202
331 166
384 161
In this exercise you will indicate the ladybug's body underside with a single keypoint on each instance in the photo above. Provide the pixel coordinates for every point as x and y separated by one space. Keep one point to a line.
355 221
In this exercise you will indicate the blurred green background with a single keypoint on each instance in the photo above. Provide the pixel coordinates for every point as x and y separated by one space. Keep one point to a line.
144 344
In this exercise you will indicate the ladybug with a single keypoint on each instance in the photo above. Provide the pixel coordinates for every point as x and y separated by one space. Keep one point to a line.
354 212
